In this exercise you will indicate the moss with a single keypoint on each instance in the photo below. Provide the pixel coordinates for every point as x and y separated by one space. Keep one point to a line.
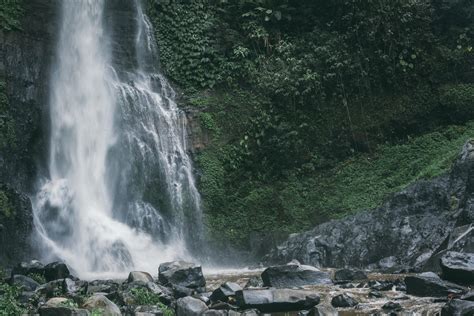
10 13
7 130
6 208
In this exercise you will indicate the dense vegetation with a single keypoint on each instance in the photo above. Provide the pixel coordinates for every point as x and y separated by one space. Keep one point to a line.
317 108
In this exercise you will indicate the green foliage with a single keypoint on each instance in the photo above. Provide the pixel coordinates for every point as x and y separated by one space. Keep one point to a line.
38 277
316 108
97 312
9 305
142 296
7 131
68 304
457 101
10 12
6 209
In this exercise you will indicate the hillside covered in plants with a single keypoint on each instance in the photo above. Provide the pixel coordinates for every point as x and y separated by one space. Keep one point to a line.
316 109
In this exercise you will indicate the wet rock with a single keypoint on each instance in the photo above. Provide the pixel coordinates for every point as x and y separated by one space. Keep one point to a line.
223 306
323 310
99 301
181 274
381 285
458 267
225 291
392 307
50 289
205 297
28 284
276 300
414 222
55 271
190 306
293 275
250 312
149 310
102 286
468 296
343 300
58 306
139 276
375 294
347 286
430 284
16 224
215 312
349 275
254 282
28 268
63 311
71 287
458 308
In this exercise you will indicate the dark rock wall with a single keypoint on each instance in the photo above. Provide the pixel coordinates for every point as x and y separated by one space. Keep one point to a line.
25 59
409 232
25 64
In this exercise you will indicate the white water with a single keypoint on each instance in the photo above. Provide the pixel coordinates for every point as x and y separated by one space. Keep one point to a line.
112 138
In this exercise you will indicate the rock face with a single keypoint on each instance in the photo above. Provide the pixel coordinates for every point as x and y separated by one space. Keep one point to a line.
343 300
190 306
181 274
276 300
25 59
225 291
417 223
16 225
458 308
99 301
458 267
430 284
139 276
349 275
55 270
293 275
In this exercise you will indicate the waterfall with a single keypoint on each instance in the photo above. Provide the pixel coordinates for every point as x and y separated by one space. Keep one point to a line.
120 194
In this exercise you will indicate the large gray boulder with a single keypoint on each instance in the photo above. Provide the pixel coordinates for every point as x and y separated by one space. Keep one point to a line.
100 302
458 308
430 284
276 300
458 267
293 275
190 306
181 274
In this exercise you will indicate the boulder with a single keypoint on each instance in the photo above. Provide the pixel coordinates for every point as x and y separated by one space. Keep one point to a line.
182 274
56 271
225 291
149 310
468 296
139 276
458 308
276 300
343 300
26 283
58 306
215 312
293 275
349 275
190 306
430 284
392 307
29 268
458 267
99 301
102 286
323 310
63 311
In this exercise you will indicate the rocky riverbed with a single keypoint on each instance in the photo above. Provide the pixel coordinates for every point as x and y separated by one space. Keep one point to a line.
181 288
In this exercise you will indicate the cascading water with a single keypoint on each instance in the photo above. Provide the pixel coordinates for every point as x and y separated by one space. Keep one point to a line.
120 193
